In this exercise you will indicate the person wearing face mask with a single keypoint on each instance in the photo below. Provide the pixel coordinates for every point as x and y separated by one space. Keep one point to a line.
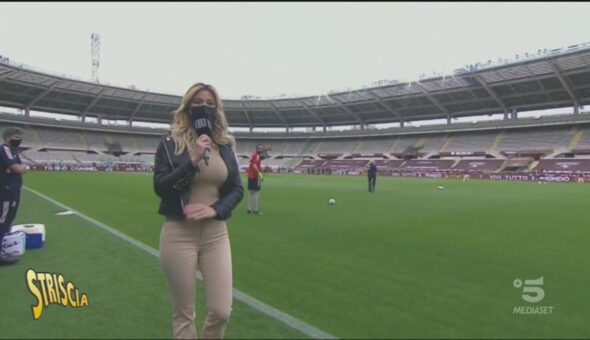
197 178
11 181
255 178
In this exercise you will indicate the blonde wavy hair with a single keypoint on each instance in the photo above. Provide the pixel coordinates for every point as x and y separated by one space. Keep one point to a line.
182 131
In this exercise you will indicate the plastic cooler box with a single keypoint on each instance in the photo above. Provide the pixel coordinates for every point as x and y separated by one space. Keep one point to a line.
35 234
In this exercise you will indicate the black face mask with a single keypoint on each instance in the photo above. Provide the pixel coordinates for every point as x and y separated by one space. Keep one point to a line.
15 142
201 111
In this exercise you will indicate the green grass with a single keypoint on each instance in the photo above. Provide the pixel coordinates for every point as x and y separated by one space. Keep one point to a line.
127 293
409 261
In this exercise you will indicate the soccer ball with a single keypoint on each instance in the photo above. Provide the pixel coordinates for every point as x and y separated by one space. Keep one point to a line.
332 201
440 187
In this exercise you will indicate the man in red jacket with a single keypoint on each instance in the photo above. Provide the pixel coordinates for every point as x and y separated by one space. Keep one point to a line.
255 179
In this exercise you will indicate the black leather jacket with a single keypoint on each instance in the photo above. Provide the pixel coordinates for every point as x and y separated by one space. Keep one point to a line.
173 175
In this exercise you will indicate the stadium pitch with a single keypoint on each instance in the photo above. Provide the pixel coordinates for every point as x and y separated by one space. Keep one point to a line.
409 261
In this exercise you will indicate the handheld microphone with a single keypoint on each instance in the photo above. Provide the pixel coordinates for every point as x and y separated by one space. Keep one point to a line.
201 117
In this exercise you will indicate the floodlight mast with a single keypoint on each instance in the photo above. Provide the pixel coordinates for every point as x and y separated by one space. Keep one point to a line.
95 55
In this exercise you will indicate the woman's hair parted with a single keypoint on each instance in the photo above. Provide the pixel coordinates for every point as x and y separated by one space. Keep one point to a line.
183 132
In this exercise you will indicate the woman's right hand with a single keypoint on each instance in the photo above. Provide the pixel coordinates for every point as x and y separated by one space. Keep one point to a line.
198 150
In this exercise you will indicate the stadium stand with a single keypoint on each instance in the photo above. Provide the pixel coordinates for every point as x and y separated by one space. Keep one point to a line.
294 147
345 164
383 164
584 141
471 142
95 140
145 144
278 163
518 164
432 143
50 157
553 143
276 147
88 158
539 139
337 146
91 147
564 165
30 138
380 145
405 142
483 165
430 164
62 138
311 163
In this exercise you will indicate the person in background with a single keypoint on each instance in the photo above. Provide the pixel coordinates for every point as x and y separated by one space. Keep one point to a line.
198 181
11 180
466 176
580 177
255 178
372 175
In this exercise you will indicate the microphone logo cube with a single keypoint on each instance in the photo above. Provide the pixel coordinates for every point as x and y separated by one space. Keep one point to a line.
201 123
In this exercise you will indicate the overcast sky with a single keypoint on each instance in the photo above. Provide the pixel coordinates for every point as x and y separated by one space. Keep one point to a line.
266 49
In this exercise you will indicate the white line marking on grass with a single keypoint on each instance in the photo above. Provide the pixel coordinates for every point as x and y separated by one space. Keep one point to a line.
260 306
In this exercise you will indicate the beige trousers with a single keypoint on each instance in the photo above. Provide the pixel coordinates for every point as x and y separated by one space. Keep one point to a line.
184 247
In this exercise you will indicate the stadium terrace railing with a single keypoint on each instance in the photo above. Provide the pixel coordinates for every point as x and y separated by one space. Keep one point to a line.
553 120
51 122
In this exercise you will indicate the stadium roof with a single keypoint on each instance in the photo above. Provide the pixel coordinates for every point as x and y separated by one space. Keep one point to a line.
557 78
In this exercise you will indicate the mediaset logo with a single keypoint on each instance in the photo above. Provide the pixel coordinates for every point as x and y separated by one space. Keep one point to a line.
532 292
51 288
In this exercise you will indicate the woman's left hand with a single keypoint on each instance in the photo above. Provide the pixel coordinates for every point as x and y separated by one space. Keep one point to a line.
198 211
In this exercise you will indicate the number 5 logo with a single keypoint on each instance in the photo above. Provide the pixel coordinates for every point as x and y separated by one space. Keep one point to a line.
532 292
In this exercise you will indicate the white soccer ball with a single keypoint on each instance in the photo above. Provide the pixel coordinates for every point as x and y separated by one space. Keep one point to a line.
440 187
332 201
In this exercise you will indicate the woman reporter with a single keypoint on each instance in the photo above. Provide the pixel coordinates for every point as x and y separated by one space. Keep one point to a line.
198 180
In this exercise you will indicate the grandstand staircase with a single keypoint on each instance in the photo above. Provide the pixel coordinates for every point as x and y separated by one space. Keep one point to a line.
40 142
393 145
556 152
497 141
576 138
421 142
281 151
135 144
533 165
358 147
74 157
83 141
303 147
435 152
494 148
502 166
315 150
495 153
310 153
446 144
296 163
246 149
108 139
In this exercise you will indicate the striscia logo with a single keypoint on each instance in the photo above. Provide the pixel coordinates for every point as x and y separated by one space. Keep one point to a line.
52 288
